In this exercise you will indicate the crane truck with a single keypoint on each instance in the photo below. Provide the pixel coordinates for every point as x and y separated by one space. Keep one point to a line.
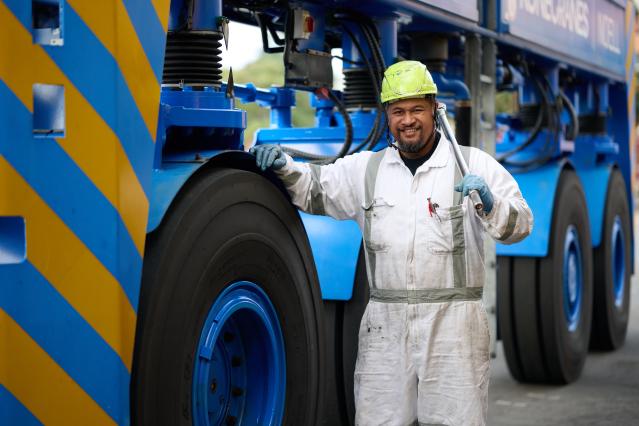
150 274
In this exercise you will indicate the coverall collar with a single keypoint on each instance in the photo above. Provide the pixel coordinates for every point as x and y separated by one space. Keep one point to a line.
438 159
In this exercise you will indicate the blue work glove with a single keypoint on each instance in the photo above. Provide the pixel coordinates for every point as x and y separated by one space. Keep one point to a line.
477 183
268 156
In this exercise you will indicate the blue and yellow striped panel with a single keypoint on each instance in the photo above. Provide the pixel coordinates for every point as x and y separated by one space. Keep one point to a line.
68 310
631 87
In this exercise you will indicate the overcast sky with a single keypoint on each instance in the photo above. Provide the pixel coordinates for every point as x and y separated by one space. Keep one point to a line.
245 46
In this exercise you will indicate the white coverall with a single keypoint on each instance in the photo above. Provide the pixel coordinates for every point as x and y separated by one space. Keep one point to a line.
424 340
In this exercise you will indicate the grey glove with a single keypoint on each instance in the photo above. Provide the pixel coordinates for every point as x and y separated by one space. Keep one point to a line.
268 156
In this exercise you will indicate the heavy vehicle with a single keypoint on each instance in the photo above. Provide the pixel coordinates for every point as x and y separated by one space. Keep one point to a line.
150 274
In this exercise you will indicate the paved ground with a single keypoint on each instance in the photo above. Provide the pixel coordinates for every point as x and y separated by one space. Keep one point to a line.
606 394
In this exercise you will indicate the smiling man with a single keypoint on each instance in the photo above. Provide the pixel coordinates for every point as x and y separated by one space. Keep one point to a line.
411 122
423 340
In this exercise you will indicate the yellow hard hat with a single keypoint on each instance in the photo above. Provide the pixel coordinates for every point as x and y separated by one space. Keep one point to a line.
407 79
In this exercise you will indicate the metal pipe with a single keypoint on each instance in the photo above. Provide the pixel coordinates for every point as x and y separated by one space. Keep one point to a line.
459 158
457 87
387 28
463 114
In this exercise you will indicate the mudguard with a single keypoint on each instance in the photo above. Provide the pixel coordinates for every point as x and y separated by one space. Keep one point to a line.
539 187
335 245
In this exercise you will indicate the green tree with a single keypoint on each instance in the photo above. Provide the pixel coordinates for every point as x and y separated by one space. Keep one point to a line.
267 71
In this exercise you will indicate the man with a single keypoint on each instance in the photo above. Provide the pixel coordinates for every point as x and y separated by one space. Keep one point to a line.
423 340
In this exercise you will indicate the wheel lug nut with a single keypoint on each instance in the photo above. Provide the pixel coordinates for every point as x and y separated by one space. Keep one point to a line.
213 386
237 392
231 420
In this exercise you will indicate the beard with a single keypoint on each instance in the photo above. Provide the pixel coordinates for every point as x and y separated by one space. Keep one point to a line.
410 147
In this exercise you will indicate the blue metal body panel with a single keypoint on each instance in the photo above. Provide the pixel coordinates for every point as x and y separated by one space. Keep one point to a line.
587 30
116 107
595 184
13 412
538 188
68 310
335 245
44 318
317 140
88 214
143 16
199 109
165 184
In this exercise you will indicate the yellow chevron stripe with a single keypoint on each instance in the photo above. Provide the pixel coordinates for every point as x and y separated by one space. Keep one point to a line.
162 10
633 136
40 384
630 34
111 24
89 141
631 81
631 96
630 59
631 78
69 266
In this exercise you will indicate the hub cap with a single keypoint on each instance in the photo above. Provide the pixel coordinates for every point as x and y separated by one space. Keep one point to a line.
572 278
618 261
240 366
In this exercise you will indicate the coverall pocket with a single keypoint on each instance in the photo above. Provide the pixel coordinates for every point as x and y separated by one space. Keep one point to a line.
447 236
380 336
377 213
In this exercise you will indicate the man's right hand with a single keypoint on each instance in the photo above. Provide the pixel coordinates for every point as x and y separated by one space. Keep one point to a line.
268 156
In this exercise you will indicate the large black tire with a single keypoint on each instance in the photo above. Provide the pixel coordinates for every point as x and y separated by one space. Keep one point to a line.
610 319
333 413
353 310
225 226
540 343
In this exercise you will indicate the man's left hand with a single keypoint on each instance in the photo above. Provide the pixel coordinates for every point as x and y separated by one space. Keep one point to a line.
477 183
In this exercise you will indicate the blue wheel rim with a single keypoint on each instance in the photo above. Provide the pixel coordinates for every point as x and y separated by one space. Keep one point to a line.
239 372
572 278
618 263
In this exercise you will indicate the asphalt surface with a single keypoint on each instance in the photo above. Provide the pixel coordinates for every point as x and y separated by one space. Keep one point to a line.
607 393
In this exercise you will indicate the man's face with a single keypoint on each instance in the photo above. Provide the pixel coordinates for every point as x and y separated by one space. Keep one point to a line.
411 123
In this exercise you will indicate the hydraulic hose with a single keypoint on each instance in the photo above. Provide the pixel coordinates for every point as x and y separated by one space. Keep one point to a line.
375 70
536 126
368 30
348 138
573 131
375 132
553 123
